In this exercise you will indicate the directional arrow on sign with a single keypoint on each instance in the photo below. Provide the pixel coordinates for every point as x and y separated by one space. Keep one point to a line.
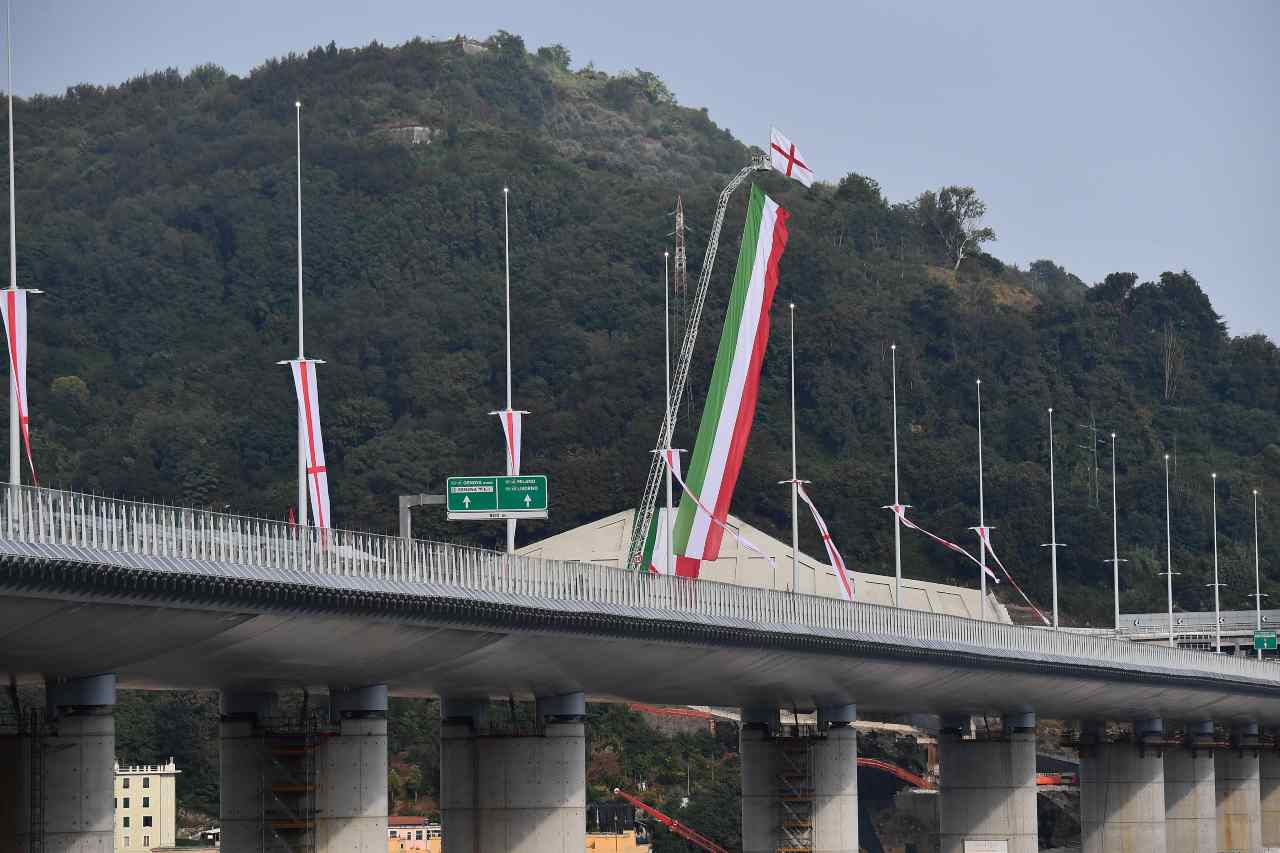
527 500
466 501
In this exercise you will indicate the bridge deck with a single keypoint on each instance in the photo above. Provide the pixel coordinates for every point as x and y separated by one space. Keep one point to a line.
174 597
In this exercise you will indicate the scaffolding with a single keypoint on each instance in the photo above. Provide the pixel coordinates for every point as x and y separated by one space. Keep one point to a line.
290 771
796 792
34 730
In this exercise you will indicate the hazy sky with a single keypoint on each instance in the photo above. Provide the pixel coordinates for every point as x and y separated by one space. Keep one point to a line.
1107 136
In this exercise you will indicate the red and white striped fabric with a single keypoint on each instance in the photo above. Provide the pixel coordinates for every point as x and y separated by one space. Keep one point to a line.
688 567
844 581
512 433
662 550
15 331
304 382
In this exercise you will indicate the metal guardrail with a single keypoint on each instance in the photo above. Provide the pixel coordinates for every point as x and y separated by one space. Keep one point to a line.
30 514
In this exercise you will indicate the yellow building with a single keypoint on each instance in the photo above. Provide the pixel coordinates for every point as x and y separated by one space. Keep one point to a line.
146 807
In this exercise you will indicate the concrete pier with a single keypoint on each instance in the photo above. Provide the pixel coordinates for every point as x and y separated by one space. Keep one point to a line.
241 767
988 788
1122 793
834 760
1269 794
1191 824
351 800
761 804
1238 783
524 794
78 753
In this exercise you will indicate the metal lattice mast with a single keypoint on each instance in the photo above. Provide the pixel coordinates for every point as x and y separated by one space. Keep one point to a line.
680 279
644 511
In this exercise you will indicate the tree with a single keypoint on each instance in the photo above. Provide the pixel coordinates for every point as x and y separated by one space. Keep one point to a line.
954 215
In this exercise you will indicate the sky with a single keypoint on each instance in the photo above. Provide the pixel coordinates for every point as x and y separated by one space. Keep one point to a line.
1107 136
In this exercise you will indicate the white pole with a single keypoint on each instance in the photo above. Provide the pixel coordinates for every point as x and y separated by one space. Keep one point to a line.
795 477
15 470
1168 545
897 520
1053 524
982 518
506 249
1115 534
1217 587
1257 568
666 343
302 429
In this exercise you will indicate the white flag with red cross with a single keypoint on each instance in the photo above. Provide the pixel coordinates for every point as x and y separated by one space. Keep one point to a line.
304 382
15 331
512 432
786 159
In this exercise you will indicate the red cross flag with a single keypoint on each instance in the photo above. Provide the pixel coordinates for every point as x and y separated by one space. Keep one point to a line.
304 382
786 159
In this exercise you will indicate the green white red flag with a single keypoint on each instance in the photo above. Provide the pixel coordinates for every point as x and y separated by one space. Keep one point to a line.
735 382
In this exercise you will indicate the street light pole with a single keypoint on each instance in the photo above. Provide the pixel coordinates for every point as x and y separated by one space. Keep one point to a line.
1168 546
1217 587
897 519
1257 570
1115 535
1053 544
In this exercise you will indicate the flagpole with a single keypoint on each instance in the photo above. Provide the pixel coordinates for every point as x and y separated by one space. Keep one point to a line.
982 518
1257 568
506 250
1217 587
1168 546
666 343
15 470
1115 534
897 520
795 477
1053 545
302 434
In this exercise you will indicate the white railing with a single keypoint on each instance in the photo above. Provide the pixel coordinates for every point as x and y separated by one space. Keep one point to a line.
36 515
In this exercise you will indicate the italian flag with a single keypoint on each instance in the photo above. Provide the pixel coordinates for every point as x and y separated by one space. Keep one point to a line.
735 384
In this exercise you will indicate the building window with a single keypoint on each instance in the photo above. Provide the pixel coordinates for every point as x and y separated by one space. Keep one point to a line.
146 781
126 782
126 841
126 802
391 833
417 836
146 802
126 821
146 820
146 841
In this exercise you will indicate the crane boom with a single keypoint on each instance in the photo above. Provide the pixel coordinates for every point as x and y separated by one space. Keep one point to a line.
644 512
676 827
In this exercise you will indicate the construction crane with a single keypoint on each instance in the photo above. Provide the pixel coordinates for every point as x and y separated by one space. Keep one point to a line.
648 500
677 828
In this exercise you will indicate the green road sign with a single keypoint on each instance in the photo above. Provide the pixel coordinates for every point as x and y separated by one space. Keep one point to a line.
483 498
1264 640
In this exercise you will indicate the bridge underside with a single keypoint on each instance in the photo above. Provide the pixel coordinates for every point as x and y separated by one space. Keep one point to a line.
162 632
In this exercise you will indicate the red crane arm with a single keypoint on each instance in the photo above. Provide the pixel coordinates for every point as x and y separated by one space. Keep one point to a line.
687 833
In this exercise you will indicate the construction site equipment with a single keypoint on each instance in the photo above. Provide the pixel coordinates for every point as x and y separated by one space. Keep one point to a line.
677 828
648 500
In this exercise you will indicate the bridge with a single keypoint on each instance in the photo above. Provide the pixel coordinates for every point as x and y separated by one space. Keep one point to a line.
96 593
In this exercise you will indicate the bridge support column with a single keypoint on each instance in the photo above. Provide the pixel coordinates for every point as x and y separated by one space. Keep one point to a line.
761 790
523 794
1122 791
351 797
242 767
988 787
1190 806
1238 782
835 782
77 755
1269 785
